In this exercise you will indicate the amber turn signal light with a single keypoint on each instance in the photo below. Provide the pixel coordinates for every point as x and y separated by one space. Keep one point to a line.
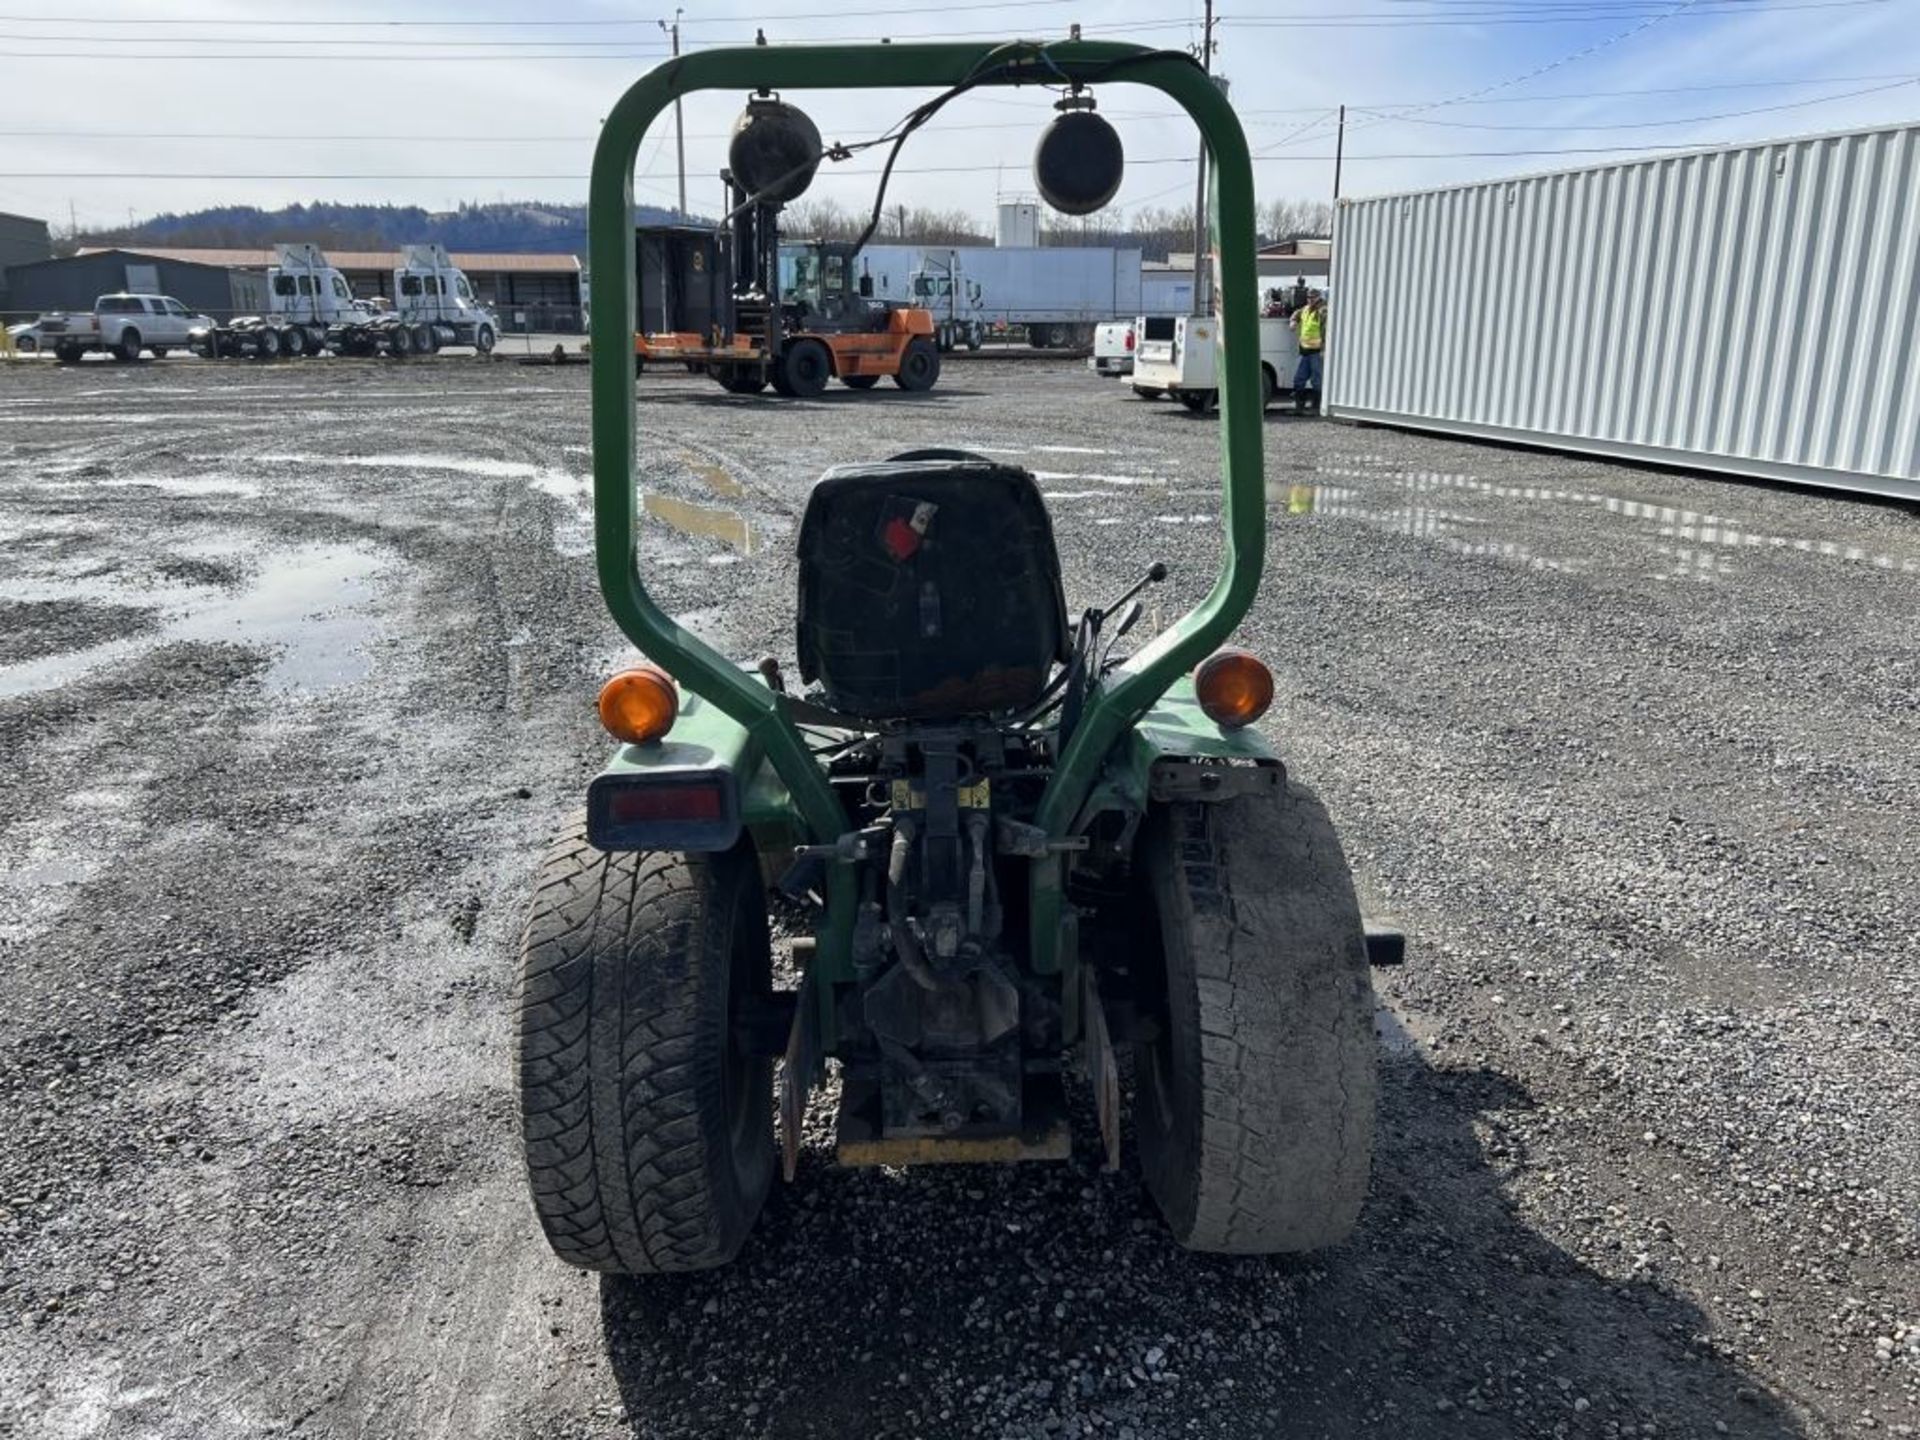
1234 688
640 704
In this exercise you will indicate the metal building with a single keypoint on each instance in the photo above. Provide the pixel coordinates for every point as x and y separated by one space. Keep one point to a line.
76 282
1751 309
22 242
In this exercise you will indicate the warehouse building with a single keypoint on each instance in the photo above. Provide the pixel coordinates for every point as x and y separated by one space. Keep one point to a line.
23 241
76 282
534 292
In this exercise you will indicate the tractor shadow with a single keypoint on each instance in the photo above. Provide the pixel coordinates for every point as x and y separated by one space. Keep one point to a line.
1026 1301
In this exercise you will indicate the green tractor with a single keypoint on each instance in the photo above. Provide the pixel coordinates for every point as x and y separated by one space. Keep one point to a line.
1019 856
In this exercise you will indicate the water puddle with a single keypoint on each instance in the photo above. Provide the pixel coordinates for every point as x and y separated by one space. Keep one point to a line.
1125 481
306 606
1422 522
1700 541
716 479
706 522
446 464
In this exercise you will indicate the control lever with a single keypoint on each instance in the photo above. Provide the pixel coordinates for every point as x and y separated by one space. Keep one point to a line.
1156 572
1128 619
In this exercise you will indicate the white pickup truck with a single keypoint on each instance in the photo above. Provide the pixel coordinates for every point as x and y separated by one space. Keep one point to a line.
123 326
1181 358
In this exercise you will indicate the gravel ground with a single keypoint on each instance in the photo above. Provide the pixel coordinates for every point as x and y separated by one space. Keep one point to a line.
296 667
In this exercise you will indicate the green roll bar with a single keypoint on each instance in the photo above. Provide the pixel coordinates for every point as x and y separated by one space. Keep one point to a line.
1133 689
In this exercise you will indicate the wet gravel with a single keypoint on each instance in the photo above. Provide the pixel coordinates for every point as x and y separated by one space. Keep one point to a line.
296 666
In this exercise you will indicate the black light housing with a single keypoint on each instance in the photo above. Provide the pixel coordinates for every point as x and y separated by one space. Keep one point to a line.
1079 162
774 150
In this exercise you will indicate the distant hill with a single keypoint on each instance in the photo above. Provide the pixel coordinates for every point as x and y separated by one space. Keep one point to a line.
537 227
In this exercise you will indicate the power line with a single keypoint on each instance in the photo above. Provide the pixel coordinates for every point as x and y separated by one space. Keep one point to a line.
519 51
491 177
1634 94
1573 57
529 23
1499 12
1577 12
1390 118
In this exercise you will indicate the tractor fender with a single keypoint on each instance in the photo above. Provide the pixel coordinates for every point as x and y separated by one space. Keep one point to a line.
707 751
1175 752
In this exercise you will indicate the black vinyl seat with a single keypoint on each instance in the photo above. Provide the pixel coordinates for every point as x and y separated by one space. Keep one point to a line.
929 588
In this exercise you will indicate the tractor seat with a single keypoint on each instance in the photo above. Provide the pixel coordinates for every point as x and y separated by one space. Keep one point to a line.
929 588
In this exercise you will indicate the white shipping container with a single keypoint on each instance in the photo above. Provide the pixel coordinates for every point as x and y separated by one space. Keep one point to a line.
1750 309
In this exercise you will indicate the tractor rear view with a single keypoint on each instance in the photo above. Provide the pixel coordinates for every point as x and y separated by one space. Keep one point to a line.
752 313
1015 855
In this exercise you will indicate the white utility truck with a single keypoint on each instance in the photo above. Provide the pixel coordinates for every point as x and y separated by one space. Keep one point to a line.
1113 345
122 325
1181 357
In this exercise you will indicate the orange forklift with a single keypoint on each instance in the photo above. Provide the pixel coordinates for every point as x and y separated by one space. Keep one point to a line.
741 307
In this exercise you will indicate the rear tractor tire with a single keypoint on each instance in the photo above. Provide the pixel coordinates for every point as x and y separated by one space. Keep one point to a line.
266 345
426 340
919 365
648 1134
1254 1105
400 342
293 342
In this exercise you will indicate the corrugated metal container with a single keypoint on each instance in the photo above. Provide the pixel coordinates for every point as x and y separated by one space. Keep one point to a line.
1753 309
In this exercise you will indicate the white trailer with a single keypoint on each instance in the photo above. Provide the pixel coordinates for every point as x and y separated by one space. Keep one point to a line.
1056 293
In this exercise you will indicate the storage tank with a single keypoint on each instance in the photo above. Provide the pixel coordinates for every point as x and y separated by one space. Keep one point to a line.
1019 224
1749 309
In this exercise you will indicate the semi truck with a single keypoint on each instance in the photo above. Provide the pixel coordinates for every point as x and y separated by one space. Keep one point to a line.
311 308
1056 294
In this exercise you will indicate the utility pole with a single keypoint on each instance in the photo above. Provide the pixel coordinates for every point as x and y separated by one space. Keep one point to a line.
1339 149
1202 270
679 130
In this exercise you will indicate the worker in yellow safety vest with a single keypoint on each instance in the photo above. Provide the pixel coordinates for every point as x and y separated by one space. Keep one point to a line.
1310 328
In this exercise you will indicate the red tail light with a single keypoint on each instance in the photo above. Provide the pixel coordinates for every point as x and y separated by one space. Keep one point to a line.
1129 339
639 804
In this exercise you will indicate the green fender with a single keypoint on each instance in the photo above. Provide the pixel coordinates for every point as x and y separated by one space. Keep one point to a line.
1151 757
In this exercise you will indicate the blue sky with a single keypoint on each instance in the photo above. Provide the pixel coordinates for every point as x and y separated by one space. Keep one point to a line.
222 107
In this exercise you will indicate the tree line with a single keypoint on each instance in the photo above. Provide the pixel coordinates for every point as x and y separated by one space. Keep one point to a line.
1156 231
